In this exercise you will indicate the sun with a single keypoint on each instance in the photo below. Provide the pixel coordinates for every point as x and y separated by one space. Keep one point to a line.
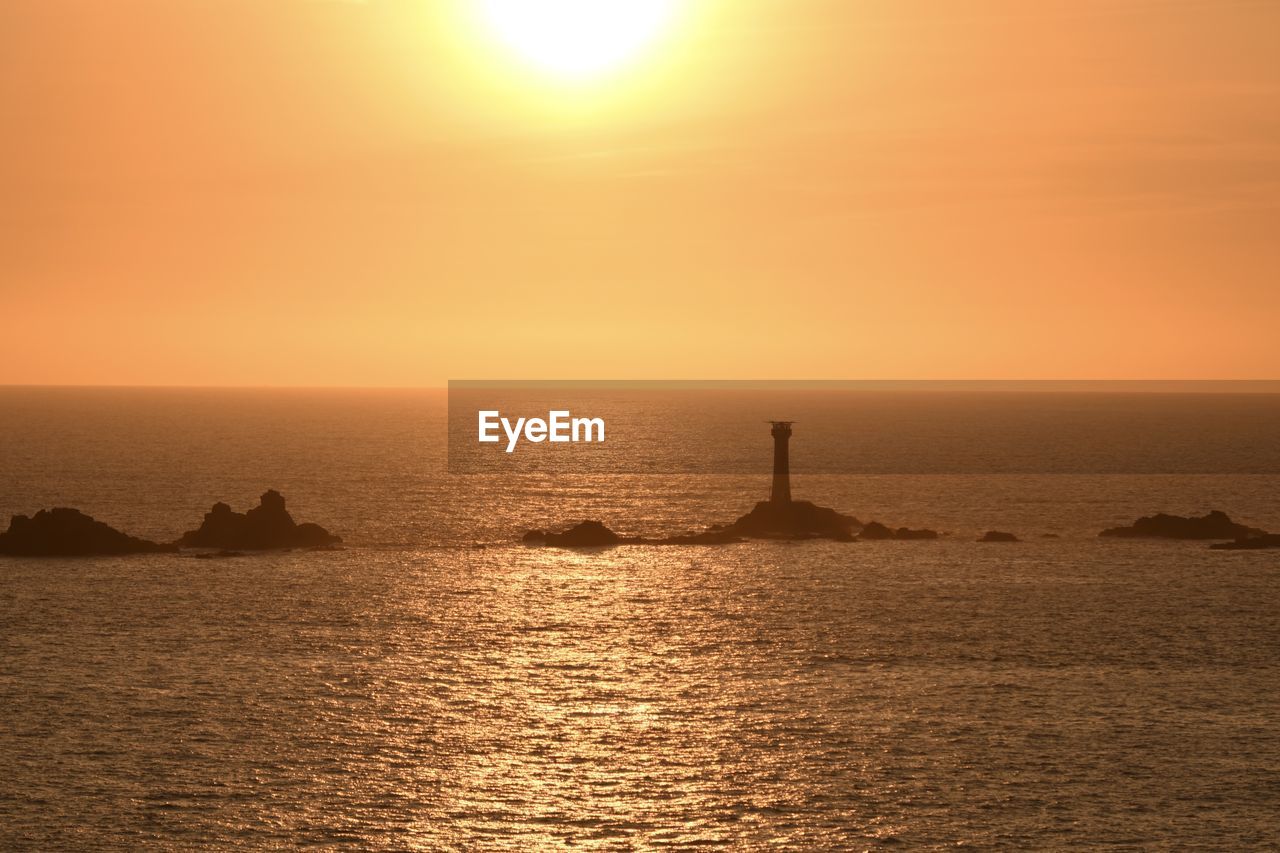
579 39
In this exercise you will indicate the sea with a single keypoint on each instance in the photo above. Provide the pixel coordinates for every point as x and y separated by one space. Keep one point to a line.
437 685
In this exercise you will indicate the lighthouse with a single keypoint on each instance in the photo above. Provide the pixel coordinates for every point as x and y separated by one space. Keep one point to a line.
781 463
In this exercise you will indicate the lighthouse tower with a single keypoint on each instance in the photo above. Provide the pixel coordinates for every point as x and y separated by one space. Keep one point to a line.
781 462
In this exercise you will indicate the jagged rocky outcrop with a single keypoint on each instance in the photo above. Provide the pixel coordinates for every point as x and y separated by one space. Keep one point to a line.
998 536
594 534
794 520
1251 543
587 534
265 527
875 531
64 532
1215 525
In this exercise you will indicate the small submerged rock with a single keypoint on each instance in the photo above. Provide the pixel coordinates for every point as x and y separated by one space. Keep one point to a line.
875 531
63 532
1250 543
707 537
1215 525
998 536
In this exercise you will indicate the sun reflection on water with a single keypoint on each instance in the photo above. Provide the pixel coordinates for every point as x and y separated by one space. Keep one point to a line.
754 696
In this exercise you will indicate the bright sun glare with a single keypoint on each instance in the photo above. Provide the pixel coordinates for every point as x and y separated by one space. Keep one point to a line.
578 39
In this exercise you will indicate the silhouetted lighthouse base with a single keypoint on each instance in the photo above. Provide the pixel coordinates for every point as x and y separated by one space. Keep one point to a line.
782 518
781 463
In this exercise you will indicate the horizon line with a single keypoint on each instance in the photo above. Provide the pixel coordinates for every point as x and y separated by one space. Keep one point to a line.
1263 386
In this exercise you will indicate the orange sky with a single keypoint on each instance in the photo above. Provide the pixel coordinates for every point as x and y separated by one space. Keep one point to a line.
338 192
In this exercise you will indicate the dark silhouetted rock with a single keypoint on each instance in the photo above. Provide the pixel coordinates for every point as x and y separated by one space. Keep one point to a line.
587 534
769 520
998 536
875 531
265 527
793 520
1250 543
1215 525
70 533
593 534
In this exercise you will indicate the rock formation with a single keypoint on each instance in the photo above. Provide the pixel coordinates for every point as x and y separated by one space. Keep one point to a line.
266 526
65 532
998 536
593 534
875 531
587 534
794 520
1215 525
769 520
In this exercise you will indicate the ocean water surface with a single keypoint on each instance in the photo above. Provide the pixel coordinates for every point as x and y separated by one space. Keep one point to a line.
438 686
